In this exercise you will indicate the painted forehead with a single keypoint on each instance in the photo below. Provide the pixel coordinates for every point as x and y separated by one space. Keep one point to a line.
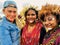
50 17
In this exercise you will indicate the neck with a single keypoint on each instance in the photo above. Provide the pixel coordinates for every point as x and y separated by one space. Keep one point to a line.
32 24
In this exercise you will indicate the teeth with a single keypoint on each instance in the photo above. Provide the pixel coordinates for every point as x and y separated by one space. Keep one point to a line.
49 28
30 21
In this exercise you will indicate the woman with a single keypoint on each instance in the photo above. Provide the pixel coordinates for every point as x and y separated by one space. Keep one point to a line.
31 33
9 32
50 20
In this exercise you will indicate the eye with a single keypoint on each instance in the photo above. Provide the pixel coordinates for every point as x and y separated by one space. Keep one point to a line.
28 14
49 18
14 11
9 11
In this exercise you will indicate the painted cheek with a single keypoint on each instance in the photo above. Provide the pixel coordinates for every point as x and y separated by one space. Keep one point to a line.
8 16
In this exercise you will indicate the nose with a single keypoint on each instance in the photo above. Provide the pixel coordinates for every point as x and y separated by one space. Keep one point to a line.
46 23
12 14
30 16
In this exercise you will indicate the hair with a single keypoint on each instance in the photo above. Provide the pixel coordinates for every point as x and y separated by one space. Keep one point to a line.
49 9
33 10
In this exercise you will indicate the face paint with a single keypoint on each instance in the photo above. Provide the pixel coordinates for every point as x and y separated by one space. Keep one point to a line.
50 22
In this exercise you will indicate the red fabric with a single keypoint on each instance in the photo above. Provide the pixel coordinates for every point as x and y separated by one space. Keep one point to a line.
33 37
57 41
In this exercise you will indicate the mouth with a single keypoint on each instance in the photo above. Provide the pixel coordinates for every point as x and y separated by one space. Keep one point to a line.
48 25
31 21
12 17
49 28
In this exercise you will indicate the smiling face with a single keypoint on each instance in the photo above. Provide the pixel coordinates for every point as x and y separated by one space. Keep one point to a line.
50 22
31 16
10 13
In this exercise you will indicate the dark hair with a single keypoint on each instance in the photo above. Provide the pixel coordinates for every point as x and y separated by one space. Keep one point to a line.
32 9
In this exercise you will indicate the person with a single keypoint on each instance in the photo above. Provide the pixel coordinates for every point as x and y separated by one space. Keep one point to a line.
50 21
9 32
31 32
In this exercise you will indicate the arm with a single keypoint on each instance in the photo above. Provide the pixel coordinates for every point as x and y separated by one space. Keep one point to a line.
42 34
5 38
57 41
15 36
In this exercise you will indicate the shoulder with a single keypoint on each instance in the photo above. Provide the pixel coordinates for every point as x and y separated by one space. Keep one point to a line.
57 42
3 26
43 29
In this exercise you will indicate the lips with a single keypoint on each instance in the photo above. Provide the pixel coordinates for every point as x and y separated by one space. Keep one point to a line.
12 17
31 21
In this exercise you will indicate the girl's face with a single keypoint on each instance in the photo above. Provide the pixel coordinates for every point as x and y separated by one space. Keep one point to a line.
50 22
31 16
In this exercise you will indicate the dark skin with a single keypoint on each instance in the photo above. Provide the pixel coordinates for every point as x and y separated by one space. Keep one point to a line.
31 16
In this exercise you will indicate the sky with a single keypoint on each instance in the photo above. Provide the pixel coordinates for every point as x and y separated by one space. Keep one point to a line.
22 3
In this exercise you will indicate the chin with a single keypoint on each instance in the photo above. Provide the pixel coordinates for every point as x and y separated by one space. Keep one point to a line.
12 20
30 23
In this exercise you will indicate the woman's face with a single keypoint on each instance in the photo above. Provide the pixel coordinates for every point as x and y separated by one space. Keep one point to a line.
10 13
50 22
31 16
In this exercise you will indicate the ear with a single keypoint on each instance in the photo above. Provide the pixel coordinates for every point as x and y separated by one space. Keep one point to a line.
3 11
